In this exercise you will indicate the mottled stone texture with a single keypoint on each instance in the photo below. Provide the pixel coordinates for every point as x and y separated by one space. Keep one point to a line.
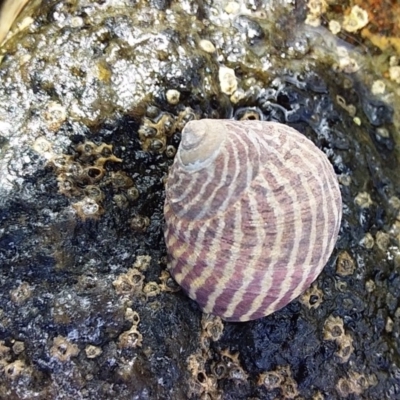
87 133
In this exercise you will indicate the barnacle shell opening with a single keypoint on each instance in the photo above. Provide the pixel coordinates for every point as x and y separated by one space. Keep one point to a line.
201 142
252 221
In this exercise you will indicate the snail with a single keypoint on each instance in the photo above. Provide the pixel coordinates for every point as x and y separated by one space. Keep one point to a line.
252 213
9 11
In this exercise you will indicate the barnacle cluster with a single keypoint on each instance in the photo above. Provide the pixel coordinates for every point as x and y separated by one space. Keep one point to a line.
206 375
158 127
77 173
81 175
11 366
346 62
132 282
203 383
280 378
355 383
167 284
334 330
316 8
355 19
131 338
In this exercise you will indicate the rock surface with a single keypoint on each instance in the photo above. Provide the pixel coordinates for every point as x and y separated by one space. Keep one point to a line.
93 96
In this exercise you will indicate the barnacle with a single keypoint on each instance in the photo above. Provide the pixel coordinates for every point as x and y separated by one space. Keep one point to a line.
151 289
367 241
43 147
92 351
170 151
5 353
88 208
271 379
227 80
233 368
131 338
132 193
211 327
129 283
333 328
280 378
312 297
142 262
22 293
121 180
248 113
345 347
63 349
55 115
206 46
132 316
167 283
139 223
172 96
18 347
363 200
14 369
345 264
382 240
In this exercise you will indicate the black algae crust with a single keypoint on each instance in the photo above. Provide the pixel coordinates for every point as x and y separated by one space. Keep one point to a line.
93 98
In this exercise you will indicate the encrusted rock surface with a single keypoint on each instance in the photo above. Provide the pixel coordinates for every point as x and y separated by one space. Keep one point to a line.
93 96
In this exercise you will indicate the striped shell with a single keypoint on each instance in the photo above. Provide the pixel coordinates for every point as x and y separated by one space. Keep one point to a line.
252 215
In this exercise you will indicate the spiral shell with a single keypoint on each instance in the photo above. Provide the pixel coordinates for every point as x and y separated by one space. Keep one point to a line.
252 214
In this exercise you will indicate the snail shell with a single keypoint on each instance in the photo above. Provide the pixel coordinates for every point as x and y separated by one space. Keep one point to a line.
252 214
